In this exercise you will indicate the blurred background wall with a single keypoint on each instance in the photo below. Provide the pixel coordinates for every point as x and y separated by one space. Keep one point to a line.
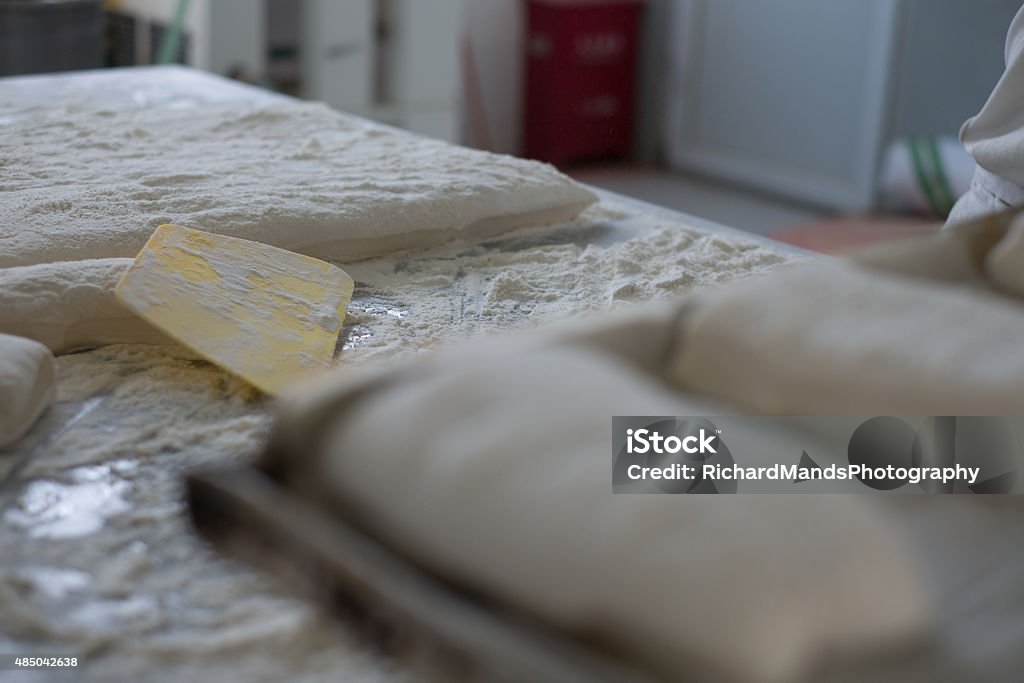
800 108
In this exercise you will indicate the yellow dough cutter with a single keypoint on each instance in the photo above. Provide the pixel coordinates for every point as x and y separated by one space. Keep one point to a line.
266 314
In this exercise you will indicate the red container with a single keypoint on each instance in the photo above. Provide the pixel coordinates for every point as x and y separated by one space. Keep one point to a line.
580 72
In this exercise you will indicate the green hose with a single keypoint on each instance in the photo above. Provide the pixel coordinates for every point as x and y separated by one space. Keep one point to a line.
169 48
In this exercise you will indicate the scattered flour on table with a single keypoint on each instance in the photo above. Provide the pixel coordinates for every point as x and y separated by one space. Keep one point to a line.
413 304
99 558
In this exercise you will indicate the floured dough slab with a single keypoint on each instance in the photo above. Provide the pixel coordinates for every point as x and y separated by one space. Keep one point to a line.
70 305
27 385
490 466
83 183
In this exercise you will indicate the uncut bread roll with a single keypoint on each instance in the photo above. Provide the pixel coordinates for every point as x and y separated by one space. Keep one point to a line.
27 385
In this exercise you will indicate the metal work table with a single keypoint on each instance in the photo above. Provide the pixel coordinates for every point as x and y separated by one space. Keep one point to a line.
97 557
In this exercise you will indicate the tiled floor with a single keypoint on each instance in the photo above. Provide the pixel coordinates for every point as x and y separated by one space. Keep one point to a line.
718 203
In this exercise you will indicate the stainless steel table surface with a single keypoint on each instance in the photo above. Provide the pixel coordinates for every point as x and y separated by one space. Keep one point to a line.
973 551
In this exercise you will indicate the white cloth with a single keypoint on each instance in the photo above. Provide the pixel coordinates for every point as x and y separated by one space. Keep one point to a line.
995 138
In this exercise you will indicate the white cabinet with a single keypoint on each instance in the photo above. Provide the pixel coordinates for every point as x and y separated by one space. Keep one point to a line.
223 36
337 52
420 79
800 98
396 61
787 96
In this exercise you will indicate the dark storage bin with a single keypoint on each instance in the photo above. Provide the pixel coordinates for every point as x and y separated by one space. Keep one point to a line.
581 59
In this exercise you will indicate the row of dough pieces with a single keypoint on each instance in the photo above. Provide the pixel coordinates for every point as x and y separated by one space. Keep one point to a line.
60 307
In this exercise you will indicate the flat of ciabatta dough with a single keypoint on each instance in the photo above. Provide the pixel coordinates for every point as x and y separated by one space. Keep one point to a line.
85 183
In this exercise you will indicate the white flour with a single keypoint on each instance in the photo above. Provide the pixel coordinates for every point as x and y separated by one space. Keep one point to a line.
99 560
408 305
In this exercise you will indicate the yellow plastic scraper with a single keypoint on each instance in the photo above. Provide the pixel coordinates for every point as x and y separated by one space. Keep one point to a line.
266 314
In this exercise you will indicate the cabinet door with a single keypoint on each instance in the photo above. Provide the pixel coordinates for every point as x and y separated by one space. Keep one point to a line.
337 53
787 96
